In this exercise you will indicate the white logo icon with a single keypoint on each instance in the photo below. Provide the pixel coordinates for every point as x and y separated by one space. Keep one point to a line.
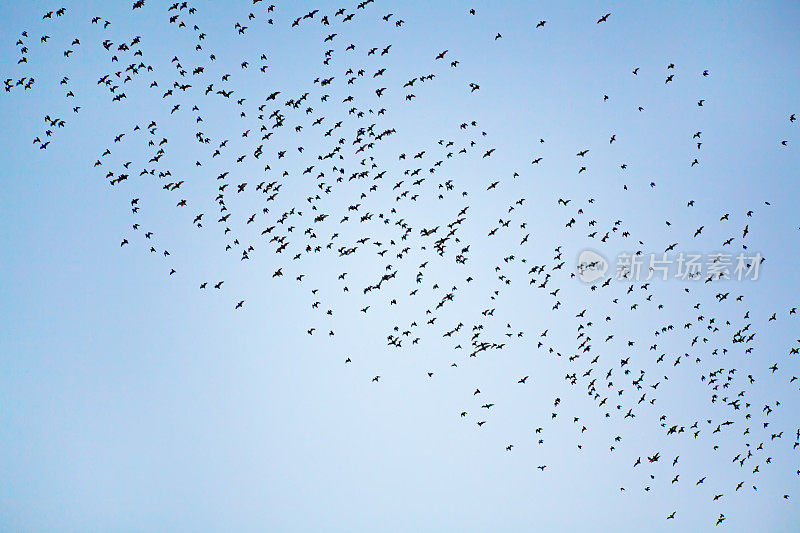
591 266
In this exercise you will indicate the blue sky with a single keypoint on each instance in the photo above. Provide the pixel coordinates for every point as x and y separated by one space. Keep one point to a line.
133 400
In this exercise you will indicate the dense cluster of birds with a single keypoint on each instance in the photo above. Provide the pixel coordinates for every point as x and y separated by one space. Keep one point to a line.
353 203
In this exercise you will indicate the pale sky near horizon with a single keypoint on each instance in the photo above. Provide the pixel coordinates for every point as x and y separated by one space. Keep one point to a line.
133 400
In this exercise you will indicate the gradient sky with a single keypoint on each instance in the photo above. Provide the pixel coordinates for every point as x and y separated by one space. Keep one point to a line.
130 400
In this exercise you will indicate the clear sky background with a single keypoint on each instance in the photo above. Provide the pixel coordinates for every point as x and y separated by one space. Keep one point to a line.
132 400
